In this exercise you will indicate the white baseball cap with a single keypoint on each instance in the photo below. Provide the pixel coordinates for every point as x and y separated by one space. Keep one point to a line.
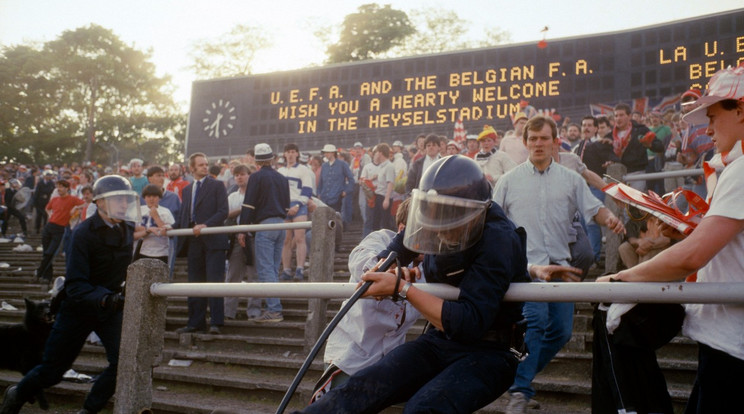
263 152
725 84
358 145
328 148
397 143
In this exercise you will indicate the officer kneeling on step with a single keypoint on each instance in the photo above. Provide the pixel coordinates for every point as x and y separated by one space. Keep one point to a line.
469 355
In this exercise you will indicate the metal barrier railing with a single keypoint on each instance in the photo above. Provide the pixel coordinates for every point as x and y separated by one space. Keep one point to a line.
518 292
242 228
664 174
144 313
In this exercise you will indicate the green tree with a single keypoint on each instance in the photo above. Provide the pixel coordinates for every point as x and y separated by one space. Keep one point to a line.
493 36
441 30
437 30
369 33
231 54
25 91
85 83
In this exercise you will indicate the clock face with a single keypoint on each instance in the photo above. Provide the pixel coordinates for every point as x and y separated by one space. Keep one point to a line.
219 119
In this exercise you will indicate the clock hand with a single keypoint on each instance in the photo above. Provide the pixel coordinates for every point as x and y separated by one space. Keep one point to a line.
216 125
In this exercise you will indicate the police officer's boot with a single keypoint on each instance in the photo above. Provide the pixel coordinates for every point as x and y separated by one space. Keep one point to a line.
11 403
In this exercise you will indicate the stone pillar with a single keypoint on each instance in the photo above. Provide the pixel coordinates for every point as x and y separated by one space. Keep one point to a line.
141 336
612 240
322 252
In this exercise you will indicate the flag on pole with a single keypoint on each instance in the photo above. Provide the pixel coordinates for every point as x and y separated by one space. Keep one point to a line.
460 132
669 102
600 109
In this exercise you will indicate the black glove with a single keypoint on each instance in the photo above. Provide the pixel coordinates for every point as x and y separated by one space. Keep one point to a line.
113 302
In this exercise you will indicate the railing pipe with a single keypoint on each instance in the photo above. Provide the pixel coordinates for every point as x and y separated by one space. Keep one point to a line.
532 292
242 228
663 174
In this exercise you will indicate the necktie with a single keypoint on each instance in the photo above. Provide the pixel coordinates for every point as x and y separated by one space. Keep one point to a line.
120 229
193 202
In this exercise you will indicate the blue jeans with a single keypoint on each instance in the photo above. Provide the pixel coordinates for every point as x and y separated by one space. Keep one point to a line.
269 246
431 373
549 327
67 338
374 215
347 209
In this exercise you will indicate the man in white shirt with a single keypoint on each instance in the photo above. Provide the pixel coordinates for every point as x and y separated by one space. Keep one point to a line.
543 197
381 217
512 144
300 180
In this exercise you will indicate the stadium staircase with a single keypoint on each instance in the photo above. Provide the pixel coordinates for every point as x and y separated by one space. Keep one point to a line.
248 368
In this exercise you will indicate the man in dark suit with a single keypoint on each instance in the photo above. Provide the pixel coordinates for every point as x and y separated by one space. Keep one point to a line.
206 254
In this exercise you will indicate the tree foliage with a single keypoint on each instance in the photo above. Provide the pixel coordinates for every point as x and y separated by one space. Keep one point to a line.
429 30
231 54
437 30
369 33
48 95
442 30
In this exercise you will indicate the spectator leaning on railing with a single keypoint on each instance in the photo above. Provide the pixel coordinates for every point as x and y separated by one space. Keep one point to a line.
715 249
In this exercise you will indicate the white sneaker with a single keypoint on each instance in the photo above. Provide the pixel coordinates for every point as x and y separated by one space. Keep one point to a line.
517 403
269 317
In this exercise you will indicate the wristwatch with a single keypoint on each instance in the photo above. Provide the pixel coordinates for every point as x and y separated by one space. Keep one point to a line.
404 292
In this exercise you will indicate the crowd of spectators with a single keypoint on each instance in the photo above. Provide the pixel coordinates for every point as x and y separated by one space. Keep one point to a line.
366 186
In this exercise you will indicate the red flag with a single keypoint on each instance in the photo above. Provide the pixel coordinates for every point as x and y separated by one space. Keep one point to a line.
640 104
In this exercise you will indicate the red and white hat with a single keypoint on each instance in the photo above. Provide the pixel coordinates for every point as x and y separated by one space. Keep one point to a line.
725 84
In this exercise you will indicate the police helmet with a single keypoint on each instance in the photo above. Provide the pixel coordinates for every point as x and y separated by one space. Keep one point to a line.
448 210
120 201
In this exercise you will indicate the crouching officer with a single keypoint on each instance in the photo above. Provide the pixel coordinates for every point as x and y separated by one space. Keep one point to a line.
96 269
469 355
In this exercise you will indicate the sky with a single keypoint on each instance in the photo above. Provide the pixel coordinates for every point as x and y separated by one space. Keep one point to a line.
168 28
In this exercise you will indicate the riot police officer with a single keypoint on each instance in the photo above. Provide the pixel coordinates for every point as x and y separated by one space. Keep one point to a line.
469 355
96 269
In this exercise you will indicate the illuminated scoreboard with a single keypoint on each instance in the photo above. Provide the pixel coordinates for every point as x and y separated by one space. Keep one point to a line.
384 100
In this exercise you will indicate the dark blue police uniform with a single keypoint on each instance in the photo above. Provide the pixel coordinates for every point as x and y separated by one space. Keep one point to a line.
468 364
96 267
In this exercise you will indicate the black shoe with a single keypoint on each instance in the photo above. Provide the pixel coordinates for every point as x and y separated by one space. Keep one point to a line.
187 329
214 330
11 403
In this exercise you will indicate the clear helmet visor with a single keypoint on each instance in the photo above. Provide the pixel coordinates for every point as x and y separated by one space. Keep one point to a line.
439 224
122 205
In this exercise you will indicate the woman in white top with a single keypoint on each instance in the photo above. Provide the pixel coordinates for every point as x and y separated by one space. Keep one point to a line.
156 220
